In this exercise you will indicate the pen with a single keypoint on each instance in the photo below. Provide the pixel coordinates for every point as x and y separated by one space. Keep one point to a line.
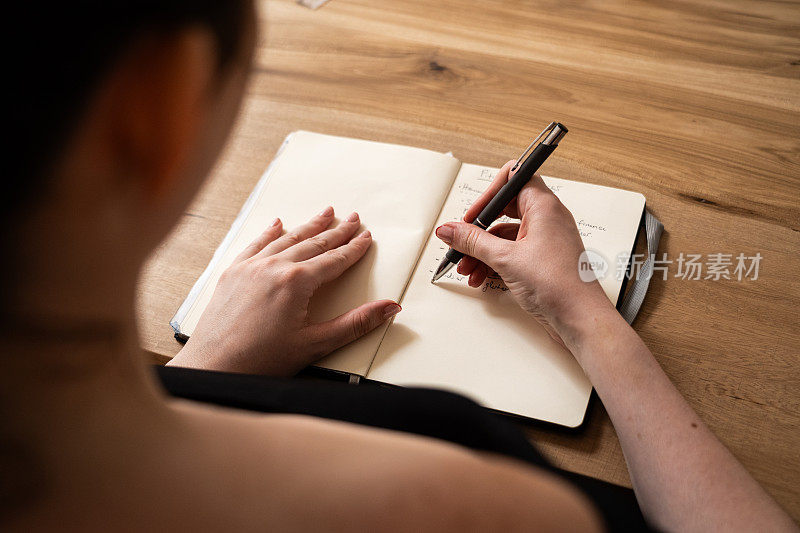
524 172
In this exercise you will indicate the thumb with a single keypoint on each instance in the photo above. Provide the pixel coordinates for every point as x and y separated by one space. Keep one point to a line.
352 325
473 241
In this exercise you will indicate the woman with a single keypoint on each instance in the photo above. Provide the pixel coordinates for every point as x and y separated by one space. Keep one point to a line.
123 112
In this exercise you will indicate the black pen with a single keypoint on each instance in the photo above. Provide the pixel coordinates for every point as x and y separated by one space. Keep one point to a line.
555 131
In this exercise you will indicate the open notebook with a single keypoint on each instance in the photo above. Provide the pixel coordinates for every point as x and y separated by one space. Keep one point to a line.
474 341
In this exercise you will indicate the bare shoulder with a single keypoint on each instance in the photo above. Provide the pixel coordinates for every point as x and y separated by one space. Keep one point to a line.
310 473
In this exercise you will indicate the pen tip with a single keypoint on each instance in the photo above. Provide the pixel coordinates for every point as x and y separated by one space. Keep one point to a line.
444 267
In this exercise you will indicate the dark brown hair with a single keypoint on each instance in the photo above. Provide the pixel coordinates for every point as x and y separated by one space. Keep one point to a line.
61 51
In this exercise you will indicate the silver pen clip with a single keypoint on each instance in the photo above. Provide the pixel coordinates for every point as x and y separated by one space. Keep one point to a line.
550 127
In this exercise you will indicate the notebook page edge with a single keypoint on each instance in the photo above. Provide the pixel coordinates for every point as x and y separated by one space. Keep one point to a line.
189 303
416 262
422 245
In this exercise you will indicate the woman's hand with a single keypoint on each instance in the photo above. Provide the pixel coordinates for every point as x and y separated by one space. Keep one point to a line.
536 258
257 320
684 478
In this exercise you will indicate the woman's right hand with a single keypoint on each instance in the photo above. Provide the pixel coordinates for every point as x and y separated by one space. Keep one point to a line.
536 258
684 477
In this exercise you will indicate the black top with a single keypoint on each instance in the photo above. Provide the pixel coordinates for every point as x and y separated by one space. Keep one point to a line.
433 413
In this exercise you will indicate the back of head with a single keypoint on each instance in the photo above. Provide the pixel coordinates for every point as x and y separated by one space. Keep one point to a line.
61 51
60 54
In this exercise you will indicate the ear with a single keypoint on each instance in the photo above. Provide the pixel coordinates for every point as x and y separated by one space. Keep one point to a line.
163 89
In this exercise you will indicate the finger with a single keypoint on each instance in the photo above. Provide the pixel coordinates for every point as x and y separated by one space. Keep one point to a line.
504 230
511 210
330 265
299 234
478 275
352 325
467 265
269 235
497 183
473 241
327 240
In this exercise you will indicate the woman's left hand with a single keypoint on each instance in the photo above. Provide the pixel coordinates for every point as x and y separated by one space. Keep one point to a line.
257 320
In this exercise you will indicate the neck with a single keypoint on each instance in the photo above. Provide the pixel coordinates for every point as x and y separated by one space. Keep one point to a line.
74 393
61 374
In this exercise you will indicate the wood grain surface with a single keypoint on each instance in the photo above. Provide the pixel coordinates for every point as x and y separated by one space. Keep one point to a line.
694 104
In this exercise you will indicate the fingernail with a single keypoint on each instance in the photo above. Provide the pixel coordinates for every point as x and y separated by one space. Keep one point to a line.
353 217
390 310
365 234
276 222
328 211
445 233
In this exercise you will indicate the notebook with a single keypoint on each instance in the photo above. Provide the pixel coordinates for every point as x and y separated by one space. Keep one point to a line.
477 342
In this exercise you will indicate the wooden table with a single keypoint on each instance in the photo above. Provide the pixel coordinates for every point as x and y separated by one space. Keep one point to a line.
695 105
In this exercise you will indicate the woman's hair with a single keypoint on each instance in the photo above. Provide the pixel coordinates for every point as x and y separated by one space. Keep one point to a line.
61 51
